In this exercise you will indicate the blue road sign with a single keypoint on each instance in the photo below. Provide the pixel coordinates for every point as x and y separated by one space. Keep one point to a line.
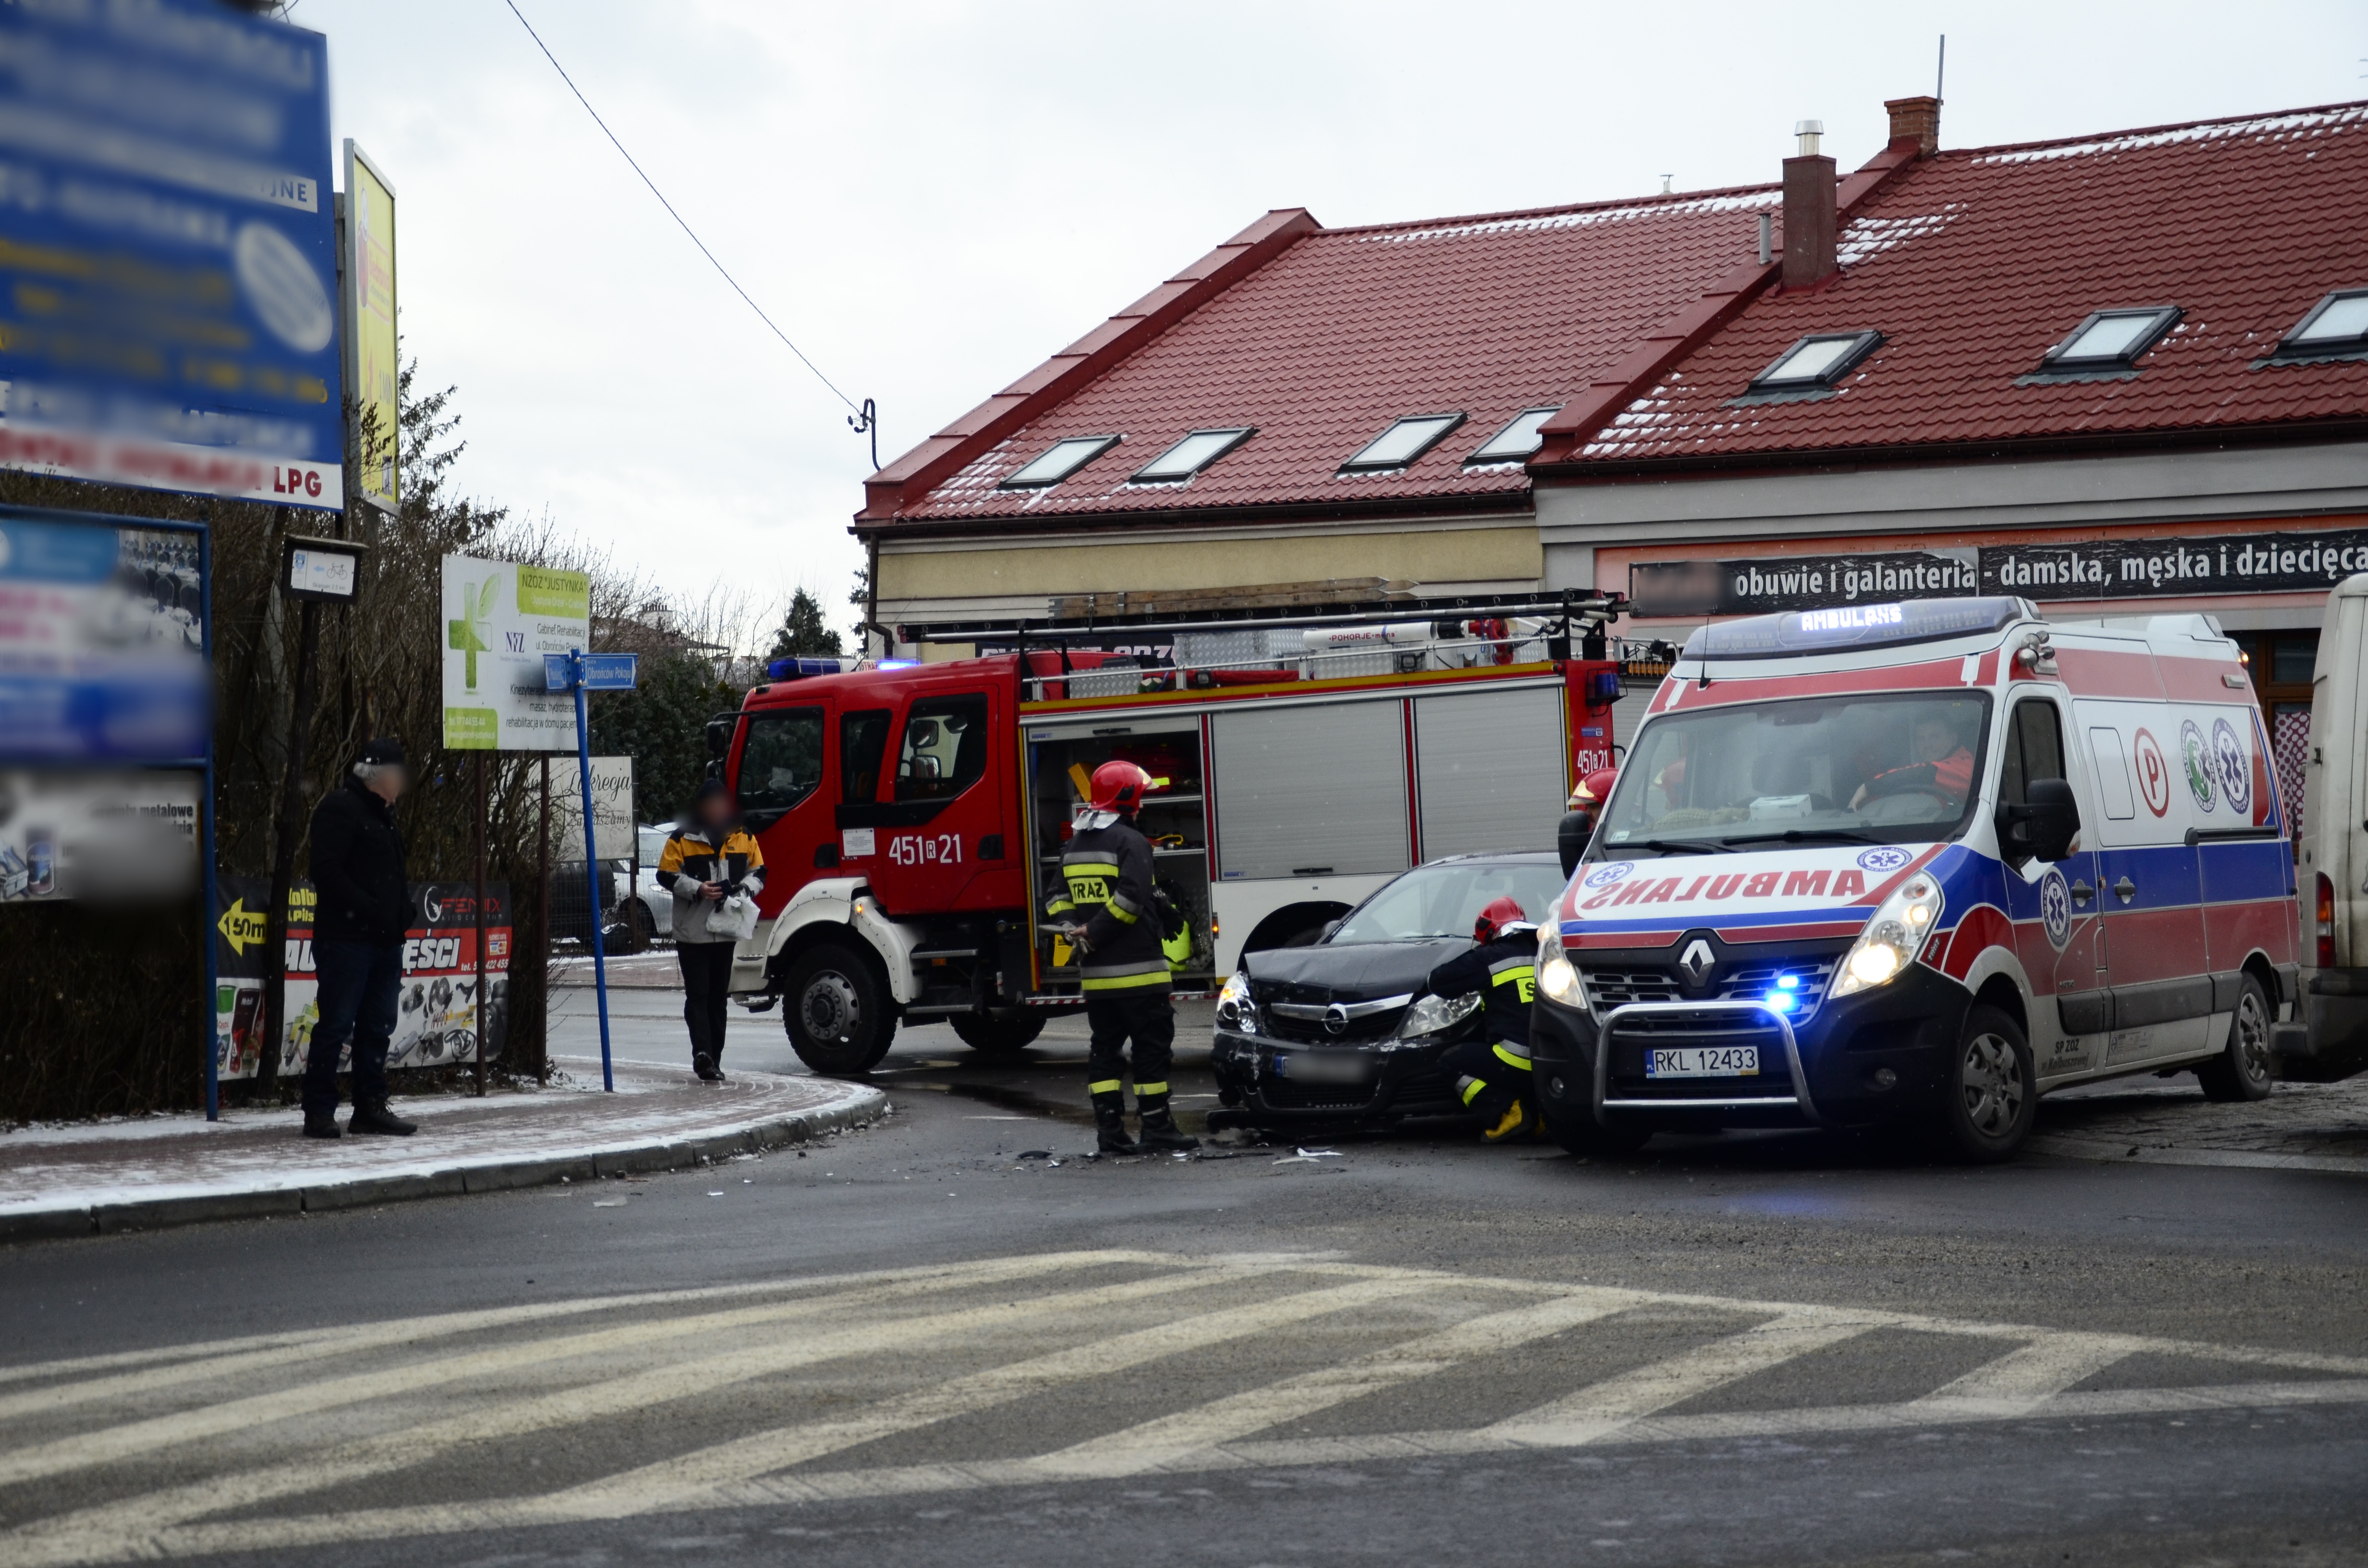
611 672
558 672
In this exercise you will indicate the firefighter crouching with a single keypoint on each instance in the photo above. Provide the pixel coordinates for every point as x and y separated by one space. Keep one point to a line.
1492 1073
1106 895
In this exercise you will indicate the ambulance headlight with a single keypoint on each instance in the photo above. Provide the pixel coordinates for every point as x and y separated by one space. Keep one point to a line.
1556 977
1433 1014
1892 939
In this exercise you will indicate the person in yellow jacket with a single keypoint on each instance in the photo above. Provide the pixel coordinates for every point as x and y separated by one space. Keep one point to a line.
707 859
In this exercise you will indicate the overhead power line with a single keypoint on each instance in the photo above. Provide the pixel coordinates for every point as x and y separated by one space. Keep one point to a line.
863 409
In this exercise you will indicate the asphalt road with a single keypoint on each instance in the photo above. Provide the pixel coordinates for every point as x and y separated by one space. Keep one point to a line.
915 1346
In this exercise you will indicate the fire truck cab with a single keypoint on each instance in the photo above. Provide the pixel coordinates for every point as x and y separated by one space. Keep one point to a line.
909 815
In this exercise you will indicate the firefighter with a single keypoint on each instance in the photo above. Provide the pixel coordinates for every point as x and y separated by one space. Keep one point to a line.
1492 1073
1107 898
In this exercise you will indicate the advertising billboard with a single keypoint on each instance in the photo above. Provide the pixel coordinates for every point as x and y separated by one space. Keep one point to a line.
370 369
437 1012
168 312
612 813
500 618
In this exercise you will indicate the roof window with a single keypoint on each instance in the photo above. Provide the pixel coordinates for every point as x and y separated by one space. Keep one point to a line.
2337 325
2111 341
1190 455
1401 442
1059 461
1515 442
1817 362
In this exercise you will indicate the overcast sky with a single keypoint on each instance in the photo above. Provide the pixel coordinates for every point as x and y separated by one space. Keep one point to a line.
931 197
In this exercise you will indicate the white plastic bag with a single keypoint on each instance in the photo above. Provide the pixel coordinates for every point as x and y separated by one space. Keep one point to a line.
734 918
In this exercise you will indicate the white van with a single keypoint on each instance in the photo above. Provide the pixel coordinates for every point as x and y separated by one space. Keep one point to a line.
2333 847
1929 859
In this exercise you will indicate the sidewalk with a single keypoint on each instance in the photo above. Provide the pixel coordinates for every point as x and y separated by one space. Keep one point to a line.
149 1172
2302 1127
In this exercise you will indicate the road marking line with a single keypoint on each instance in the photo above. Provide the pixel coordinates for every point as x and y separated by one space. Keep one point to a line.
1172 1439
235 1357
1603 1408
2025 1379
113 1443
113 1531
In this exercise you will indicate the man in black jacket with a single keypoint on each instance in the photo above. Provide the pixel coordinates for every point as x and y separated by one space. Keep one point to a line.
364 908
1107 884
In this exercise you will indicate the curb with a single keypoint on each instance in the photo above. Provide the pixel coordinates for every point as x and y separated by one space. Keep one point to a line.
508 1176
2122 1154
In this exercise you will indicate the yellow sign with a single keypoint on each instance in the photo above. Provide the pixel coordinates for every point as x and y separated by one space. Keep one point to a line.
242 928
372 368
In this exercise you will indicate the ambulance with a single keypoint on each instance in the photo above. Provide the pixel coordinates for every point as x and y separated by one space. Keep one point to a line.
1923 861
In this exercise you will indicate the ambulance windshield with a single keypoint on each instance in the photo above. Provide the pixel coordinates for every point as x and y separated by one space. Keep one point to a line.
1885 770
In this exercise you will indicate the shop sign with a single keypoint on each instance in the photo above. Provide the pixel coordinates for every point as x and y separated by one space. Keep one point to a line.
2092 569
436 1018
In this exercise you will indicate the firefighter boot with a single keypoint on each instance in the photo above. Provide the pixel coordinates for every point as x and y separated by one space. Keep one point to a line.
1159 1128
1513 1125
1109 1125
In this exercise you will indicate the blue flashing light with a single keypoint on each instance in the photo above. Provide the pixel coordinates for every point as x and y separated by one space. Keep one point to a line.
1783 1001
795 669
1789 982
895 663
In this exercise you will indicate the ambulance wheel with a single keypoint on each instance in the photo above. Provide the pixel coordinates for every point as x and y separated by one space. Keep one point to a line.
1579 1133
2243 1069
837 1012
999 1034
1992 1095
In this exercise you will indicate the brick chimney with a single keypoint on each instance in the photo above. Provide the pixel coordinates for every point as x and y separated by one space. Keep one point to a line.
1808 211
1917 120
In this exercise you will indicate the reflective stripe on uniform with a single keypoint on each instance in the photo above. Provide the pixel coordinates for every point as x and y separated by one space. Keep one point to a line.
1059 906
1127 982
1103 1087
1116 912
1470 1087
1158 1088
1512 1055
1515 968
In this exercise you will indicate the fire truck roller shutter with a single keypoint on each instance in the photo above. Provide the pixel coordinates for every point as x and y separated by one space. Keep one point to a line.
1490 765
1306 786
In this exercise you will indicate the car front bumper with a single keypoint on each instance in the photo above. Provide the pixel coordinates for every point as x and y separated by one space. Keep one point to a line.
1387 1084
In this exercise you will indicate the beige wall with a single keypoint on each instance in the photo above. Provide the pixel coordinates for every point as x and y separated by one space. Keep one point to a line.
1435 556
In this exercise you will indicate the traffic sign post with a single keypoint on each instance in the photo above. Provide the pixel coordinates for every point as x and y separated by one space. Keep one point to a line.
579 672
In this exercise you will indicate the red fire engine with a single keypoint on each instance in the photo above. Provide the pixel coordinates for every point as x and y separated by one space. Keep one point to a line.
909 815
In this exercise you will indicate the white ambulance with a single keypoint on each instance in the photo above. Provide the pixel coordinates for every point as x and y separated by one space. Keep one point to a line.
1931 860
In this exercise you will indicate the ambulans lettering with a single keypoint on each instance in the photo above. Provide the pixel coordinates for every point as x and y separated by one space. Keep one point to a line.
1808 885
1762 885
1821 884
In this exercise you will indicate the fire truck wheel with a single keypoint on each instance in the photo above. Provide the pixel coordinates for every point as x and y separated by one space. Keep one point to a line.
999 1034
837 1013
1990 1097
2243 1069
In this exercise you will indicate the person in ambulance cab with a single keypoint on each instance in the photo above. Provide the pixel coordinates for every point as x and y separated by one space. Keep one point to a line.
1107 902
1941 766
1492 1073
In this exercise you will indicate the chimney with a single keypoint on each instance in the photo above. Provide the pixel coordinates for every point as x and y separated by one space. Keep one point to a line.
1917 120
1808 211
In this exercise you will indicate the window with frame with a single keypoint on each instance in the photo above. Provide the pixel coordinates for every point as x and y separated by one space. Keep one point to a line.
2111 340
862 747
2034 749
1815 362
944 752
780 760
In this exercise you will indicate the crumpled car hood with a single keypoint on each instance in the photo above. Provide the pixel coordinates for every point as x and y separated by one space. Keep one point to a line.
1349 973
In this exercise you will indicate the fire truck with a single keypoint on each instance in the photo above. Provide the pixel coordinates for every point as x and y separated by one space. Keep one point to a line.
911 816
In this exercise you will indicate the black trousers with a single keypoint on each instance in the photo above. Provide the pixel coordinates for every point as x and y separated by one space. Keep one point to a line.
1146 1017
359 984
1498 1083
706 991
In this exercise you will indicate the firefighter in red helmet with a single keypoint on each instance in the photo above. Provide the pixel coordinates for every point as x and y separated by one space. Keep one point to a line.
1106 897
1492 1073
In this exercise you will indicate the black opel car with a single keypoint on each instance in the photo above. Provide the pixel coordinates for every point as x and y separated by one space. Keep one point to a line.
1344 1032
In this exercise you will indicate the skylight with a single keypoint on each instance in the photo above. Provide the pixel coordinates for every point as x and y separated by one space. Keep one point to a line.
1059 461
1190 455
2111 340
1515 442
1401 442
1817 361
2337 325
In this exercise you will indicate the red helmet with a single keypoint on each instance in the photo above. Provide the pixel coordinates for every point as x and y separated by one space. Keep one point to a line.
1505 914
1121 787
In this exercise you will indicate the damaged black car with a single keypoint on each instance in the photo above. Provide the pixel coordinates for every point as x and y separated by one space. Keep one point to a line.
1345 1032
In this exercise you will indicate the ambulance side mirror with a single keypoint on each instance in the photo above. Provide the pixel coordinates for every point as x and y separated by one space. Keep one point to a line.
1571 839
2044 828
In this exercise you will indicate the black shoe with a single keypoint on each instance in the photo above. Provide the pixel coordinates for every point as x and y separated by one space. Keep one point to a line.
377 1118
1109 1129
705 1065
322 1125
1160 1132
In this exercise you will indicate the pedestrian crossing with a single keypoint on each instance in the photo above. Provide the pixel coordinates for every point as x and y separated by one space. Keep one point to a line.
1083 1367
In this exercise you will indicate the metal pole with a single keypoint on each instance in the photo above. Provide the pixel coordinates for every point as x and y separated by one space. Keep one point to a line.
484 1014
207 891
591 864
542 920
290 827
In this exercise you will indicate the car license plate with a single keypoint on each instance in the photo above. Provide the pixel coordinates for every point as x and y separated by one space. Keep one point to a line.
1704 1061
1320 1067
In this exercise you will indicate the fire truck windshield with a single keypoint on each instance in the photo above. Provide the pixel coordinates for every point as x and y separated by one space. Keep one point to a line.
1885 768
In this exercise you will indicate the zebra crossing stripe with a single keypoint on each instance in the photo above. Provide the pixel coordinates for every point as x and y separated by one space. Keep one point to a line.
2023 1380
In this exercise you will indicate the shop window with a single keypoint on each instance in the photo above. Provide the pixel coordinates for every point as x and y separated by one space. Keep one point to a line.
2280 664
945 747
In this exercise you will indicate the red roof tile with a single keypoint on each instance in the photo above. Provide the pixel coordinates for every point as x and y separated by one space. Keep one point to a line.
1974 264
1323 341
